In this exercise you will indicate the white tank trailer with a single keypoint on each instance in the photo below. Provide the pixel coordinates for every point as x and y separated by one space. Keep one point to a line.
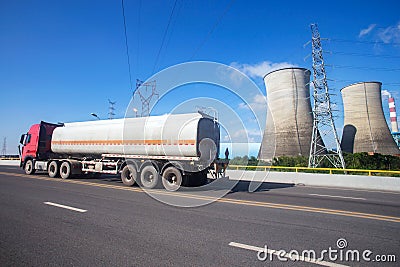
173 149
365 128
179 136
289 123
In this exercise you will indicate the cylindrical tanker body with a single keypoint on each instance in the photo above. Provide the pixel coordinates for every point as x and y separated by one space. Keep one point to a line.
179 135
172 150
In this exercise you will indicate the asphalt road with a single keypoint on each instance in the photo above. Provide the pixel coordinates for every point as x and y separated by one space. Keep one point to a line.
103 223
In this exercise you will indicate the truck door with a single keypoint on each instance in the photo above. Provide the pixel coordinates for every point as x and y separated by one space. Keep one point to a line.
30 145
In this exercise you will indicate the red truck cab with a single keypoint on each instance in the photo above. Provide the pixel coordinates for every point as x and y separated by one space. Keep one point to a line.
36 145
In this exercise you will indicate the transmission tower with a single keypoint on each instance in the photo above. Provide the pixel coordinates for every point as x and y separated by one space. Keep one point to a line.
111 109
4 150
324 143
146 92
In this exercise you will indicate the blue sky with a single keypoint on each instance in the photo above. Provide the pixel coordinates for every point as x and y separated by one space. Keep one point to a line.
62 60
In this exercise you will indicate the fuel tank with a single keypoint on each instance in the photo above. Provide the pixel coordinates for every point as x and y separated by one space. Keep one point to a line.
170 135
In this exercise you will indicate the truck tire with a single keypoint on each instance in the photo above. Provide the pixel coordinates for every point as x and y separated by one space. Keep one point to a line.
53 169
29 167
65 170
149 177
129 175
172 179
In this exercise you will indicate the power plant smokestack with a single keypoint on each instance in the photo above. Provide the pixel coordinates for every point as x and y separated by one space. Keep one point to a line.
393 115
289 124
365 128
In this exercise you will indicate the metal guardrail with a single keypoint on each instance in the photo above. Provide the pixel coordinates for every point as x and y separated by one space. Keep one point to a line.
296 169
304 169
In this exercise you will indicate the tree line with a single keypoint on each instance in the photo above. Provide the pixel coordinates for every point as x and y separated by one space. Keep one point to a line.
353 161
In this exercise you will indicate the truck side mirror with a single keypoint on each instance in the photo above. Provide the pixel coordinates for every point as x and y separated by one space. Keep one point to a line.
21 140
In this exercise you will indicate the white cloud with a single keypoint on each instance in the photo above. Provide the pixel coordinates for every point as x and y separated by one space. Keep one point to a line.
390 34
259 70
244 135
385 93
366 31
231 75
258 103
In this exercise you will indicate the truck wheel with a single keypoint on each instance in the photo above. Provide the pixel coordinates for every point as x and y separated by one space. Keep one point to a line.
65 170
53 169
129 175
172 179
149 177
29 167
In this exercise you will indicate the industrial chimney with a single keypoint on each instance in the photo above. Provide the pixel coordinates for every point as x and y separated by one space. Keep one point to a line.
393 115
289 124
365 128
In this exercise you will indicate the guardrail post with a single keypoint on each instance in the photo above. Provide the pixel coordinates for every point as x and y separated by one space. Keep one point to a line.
330 171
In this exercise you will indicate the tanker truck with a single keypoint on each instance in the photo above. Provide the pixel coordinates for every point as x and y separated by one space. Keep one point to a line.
172 150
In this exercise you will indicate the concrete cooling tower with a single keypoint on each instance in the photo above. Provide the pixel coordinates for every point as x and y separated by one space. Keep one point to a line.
289 124
365 128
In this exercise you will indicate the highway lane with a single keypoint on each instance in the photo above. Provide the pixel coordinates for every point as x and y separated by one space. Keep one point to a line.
375 202
125 227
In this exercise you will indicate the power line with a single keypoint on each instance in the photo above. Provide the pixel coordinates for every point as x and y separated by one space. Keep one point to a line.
173 22
138 34
357 81
363 68
126 44
362 42
165 34
212 29
362 54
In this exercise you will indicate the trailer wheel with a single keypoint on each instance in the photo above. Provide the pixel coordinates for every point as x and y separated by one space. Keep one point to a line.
65 170
53 169
29 167
172 179
149 177
129 175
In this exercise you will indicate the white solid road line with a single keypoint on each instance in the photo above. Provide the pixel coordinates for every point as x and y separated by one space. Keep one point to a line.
64 207
286 255
318 195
